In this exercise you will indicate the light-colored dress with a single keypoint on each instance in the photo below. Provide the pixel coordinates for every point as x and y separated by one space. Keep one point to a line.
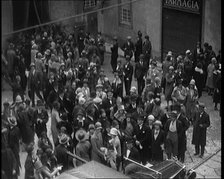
55 119
192 96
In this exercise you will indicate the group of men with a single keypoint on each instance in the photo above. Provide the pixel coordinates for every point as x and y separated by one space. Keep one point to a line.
90 115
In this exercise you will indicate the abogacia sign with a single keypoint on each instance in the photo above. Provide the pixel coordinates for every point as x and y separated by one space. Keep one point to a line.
185 5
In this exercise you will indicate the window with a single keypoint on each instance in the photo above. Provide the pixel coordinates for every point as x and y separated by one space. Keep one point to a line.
125 13
89 3
125 16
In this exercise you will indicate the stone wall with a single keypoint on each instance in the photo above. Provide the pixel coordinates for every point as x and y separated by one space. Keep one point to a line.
7 20
212 24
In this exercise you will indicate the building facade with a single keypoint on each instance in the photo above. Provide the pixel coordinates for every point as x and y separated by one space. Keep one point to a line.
175 25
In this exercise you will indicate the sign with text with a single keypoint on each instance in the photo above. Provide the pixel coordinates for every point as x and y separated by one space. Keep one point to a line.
192 6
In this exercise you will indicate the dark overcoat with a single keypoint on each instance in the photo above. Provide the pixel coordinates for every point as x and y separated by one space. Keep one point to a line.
157 152
182 142
199 133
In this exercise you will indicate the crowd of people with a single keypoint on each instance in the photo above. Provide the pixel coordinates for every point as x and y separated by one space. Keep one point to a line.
93 117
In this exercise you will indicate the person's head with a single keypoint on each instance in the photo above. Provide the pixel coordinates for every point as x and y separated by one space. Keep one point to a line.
157 80
150 95
171 69
157 125
85 83
32 66
118 61
98 127
119 101
129 38
99 87
18 78
147 37
56 105
129 143
141 58
179 82
133 90
115 124
201 107
110 94
102 112
192 84
74 85
128 58
188 53
91 129
213 60
198 44
30 148
64 140
113 132
150 119
140 120
116 76
157 101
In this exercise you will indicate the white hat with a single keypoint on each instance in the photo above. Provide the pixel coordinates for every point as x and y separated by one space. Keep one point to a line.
82 100
192 82
169 53
188 51
157 122
133 89
113 131
97 100
18 99
151 117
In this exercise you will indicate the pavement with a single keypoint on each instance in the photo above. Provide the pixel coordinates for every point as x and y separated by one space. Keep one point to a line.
210 169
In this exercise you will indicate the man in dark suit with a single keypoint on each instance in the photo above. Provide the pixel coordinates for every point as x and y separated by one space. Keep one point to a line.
128 72
138 47
53 95
61 153
200 124
108 102
34 84
128 47
146 50
117 85
158 139
143 140
182 141
114 54
132 153
140 70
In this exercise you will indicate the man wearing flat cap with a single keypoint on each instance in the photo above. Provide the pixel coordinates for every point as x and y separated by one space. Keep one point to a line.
201 122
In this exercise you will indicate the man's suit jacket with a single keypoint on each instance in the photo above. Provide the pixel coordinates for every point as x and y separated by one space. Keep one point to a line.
128 71
34 80
140 70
